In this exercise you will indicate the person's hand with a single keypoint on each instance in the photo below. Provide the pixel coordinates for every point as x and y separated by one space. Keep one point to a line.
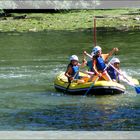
84 61
104 73
116 49
100 74
85 53
71 78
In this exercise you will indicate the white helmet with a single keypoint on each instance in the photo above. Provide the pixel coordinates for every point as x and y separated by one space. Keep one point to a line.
115 60
74 57
95 50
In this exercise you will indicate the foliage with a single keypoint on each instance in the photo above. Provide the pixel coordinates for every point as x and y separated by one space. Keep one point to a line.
120 19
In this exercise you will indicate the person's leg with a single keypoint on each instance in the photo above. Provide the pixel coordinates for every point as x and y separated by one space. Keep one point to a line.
86 78
94 77
106 76
83 79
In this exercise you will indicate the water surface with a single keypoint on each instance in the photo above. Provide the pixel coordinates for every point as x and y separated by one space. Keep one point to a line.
29 63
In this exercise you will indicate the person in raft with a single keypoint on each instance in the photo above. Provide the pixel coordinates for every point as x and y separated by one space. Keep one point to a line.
112 72
105 57
88 63
99 61
72 72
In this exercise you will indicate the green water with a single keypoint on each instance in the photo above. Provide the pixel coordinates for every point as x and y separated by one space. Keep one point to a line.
29 63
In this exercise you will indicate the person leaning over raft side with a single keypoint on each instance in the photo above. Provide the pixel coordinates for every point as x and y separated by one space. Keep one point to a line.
72 72
112 72
99 63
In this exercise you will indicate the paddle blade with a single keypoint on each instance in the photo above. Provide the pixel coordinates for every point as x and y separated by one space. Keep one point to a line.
137 89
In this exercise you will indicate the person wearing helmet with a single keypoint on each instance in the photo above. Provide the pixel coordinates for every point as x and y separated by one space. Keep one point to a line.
87 63
98 61
112 72
99 64
72 71
105 57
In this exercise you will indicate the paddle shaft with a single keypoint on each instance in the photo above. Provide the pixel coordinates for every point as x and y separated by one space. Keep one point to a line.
97 78
91 86
137 88
71 81
120 73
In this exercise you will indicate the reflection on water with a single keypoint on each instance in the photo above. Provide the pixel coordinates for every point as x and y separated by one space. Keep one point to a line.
30 61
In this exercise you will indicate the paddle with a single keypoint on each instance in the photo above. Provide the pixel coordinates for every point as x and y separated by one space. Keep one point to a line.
97 78
87 72
91 86
137 88
71 81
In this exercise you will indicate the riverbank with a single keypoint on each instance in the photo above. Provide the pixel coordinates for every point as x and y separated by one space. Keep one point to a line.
117 19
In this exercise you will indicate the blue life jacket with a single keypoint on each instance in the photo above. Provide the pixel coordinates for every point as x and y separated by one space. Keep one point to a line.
100 63
90 65
112 73
75 70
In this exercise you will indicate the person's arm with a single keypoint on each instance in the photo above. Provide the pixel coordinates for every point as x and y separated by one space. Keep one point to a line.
104 56
111 53
84 63
86 54
79 64
68 73
94 67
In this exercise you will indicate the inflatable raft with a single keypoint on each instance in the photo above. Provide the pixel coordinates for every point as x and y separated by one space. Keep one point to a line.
101 87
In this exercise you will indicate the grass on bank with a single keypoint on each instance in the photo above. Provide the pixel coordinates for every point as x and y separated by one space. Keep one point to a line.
128 19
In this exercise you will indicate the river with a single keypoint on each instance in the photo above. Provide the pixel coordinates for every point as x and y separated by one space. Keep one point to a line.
29 63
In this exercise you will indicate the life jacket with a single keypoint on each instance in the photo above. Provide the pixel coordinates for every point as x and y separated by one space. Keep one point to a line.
75 70
100 63
112 73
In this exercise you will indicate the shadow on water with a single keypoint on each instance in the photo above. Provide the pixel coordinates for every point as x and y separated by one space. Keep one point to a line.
29 63
78 113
